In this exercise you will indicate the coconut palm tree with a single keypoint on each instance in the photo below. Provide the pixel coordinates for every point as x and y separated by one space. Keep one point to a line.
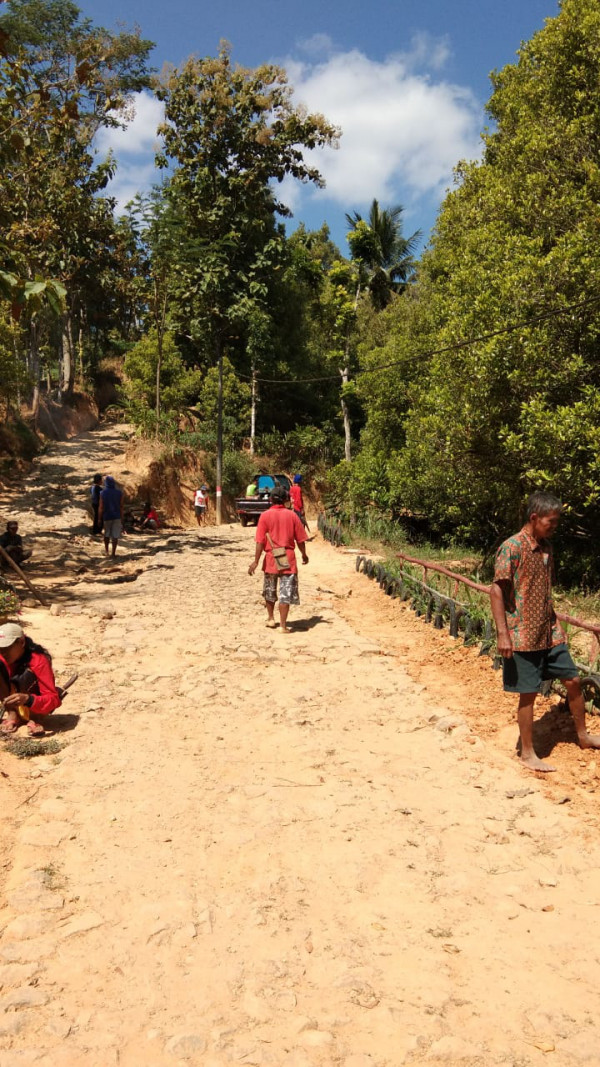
386 255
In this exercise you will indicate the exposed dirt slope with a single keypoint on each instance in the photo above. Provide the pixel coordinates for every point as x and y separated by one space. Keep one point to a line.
290 851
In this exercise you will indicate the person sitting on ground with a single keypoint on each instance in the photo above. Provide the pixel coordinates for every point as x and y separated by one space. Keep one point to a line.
12 543
279 529
110 513
200 504
28 688
531 640
95 490
252 488
149 519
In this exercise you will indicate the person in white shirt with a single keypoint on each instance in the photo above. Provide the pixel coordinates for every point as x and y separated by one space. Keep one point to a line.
200 504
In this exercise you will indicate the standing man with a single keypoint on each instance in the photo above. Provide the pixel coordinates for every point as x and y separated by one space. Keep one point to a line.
95 491
298 500
110 513
252 488
279 528
531 640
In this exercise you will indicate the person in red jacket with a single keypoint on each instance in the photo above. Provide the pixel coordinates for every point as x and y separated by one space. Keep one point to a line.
279 530
27 670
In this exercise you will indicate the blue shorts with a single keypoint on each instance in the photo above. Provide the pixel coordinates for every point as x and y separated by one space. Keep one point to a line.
525 672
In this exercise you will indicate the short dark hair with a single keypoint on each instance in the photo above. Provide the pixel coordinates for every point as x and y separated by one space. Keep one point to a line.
540 503
97 479
11 522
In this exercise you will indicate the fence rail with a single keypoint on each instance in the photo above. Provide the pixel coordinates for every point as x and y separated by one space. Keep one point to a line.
463 619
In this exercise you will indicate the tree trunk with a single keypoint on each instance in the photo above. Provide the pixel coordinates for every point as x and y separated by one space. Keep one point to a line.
346 416
34 369
159 338
219 433
253 412
80 347
66 380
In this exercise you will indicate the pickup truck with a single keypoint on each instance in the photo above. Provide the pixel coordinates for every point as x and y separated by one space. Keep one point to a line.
250 508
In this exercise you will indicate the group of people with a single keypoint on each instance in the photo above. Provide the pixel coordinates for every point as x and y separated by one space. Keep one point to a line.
108 515
530 639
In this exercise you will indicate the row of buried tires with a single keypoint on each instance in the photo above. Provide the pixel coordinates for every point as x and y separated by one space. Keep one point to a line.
433 606
444 610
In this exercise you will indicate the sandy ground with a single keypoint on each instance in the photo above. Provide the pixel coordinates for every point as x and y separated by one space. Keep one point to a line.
294 851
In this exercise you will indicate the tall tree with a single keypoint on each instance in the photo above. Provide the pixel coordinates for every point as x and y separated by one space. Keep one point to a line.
73 78
387 255
231 133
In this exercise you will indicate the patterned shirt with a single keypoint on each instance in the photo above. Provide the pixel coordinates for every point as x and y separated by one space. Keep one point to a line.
527 565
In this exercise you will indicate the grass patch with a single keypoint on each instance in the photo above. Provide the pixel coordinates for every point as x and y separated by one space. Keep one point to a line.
28 747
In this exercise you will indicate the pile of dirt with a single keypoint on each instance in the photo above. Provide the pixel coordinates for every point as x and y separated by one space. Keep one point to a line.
60 422
169 480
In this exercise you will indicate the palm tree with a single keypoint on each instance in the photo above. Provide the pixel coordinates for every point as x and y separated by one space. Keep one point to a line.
387 255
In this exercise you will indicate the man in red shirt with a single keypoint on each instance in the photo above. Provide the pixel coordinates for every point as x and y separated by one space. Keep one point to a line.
279 528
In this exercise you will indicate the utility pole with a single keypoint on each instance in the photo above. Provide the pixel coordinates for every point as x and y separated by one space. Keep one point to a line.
219 438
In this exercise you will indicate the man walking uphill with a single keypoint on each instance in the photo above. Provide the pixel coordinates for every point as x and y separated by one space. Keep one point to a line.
277 532
110 513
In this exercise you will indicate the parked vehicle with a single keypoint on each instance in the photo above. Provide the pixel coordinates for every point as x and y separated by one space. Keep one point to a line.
250 508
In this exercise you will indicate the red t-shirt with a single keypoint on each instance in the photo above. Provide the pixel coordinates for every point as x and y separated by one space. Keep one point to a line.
285 529
296 498
49 699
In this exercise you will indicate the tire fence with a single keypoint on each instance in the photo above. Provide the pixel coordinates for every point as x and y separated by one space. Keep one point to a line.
464 620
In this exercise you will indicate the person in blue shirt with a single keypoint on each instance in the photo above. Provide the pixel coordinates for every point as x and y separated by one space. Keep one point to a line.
110 513
95 491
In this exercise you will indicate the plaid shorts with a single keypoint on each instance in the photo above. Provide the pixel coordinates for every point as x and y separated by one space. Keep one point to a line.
288 588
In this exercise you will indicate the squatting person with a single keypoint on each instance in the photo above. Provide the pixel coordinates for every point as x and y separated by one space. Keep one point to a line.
531 641
279 529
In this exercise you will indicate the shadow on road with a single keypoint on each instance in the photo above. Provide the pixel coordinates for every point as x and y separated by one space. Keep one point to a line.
303 625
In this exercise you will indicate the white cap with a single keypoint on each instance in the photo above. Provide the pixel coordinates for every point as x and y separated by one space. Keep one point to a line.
9 633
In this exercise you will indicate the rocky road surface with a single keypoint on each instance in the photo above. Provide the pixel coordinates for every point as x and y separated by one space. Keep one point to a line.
271 850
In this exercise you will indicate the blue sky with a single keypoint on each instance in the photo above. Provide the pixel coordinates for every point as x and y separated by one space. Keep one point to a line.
406 80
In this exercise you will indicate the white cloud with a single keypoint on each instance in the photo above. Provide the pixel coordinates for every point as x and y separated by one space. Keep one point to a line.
402 131
134 149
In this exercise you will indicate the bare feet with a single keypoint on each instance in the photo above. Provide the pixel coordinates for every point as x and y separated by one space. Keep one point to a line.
10 723
285 630
271 624
534 763
589 740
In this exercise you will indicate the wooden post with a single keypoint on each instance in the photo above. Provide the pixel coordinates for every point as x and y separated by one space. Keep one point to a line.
18 570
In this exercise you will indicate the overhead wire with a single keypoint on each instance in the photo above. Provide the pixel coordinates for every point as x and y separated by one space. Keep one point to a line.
455 347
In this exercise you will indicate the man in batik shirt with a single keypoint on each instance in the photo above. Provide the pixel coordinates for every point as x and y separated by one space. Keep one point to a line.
530 639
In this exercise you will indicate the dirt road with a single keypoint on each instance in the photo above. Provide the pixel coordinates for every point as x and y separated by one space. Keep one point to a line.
270 850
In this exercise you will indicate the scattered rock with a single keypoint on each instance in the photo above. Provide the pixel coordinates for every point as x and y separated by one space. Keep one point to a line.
317 1038
26 997
89 920
186 1045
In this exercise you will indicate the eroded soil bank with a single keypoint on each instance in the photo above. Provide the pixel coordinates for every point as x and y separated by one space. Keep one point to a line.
291 851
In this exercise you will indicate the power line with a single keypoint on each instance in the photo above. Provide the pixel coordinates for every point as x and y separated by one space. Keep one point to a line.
435 351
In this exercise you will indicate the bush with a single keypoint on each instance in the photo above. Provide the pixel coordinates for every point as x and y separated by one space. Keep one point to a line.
238 471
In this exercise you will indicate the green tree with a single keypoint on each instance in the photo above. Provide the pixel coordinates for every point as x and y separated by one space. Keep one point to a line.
516 244
64 79
387 256
230 132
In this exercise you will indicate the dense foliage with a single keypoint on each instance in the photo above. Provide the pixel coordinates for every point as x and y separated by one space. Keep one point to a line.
460 437
451 386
